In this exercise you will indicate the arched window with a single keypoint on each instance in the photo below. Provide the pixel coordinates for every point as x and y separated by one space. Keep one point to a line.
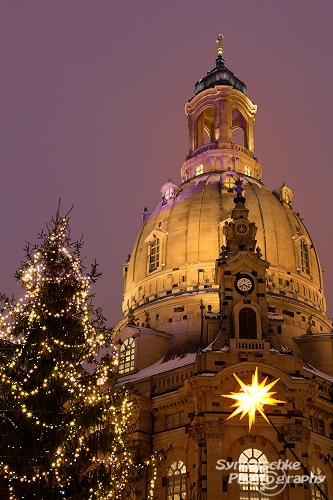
154 254
176 481
304 257
229 182
238 128
205 127
168 193
199 169
315 493
247 323
247 170
238 136
253 468
127 356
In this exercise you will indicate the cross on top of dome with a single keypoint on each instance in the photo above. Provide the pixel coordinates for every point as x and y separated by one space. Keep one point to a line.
220 50
220 75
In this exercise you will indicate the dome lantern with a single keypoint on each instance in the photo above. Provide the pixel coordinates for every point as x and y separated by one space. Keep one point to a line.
220 119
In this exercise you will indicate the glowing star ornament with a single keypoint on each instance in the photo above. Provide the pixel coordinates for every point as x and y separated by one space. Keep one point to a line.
253 398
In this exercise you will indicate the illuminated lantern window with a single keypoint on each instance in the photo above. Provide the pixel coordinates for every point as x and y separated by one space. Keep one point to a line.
127 356
248 170
253 468
154 255
199 169
316 472
176 481
304 257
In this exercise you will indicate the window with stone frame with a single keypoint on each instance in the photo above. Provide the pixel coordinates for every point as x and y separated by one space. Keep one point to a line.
168 195
127 356
247 323
176 481
317 425
175 420
253 472
154 254
199 169
304 254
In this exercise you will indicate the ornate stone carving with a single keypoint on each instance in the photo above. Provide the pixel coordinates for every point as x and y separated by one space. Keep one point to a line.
295 432
214 429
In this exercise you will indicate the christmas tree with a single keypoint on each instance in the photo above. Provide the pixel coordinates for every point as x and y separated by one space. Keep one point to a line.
65 428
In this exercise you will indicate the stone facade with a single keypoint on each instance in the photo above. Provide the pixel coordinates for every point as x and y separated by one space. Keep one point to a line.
223 279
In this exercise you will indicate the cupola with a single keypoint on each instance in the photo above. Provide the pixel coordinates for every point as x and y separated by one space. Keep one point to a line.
220 121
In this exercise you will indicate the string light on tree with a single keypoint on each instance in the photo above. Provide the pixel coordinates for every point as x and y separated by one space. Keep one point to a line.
65 430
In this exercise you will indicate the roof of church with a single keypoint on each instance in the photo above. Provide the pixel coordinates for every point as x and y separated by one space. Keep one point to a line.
220 75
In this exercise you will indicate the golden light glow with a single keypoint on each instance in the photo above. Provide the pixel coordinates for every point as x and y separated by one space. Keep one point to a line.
219 49
54 330
253 397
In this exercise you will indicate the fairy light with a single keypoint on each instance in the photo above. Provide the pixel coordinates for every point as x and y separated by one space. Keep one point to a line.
52 330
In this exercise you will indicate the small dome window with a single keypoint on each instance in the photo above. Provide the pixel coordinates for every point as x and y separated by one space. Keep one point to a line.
304 249
168 195
154 254
284 194
199 169
248 171
169 191
286 198
229 182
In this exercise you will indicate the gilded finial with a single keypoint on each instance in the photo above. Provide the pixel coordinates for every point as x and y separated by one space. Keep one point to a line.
219 49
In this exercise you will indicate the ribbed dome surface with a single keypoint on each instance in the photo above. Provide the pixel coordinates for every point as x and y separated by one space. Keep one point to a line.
190 232
193 225
173 282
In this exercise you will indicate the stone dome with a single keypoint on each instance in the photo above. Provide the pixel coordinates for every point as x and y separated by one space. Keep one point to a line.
169 280
189 227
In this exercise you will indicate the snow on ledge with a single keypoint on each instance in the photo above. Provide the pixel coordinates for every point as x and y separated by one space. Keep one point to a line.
314 371
160 367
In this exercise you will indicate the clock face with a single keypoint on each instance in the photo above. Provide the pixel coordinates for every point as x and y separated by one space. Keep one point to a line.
241 228
244 284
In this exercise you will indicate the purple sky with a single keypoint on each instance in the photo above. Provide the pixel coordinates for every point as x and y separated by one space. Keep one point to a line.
91 111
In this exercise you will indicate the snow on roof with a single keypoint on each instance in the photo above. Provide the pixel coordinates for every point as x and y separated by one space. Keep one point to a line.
275 317
210 347
160 367
314 371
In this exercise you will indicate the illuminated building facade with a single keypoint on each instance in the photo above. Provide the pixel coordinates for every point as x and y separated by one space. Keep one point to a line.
224 278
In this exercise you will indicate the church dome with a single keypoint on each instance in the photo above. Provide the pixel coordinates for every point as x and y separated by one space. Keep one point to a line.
224 286
189 230
169 279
